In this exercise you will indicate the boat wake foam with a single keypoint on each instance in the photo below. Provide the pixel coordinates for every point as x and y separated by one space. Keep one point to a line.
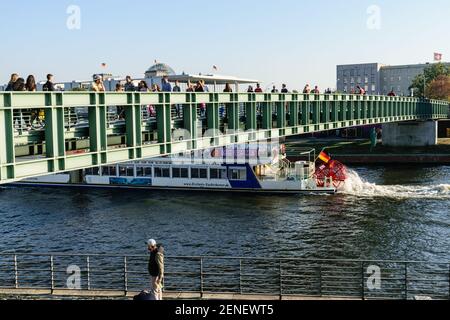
357 186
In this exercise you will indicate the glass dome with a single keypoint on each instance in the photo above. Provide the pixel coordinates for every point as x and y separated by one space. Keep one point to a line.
160 69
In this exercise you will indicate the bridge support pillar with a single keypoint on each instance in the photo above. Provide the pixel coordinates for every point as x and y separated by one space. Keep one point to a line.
190 120
164 124
410 134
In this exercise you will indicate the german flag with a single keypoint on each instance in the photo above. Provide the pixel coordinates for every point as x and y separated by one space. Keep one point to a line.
324 157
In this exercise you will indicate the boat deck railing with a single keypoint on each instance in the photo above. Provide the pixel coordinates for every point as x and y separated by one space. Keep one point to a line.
283 277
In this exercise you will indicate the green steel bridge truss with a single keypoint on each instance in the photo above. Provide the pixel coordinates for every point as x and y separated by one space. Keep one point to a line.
177 125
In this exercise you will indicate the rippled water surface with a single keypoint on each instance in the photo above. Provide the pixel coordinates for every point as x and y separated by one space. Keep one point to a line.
382 213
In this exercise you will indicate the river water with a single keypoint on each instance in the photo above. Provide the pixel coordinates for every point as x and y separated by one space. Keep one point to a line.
399 213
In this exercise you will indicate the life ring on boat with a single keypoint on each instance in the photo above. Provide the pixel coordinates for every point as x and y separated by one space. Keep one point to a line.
333 172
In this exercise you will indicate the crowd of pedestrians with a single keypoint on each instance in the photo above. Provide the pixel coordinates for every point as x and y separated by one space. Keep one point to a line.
17 83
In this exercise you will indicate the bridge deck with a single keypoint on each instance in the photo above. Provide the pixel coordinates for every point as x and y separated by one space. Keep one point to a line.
157 124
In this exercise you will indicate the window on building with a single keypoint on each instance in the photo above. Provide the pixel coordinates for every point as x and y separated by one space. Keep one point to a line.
366 80
374 88
352 80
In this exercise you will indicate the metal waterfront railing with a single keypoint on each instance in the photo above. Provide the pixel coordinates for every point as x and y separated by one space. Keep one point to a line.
358 279
157 124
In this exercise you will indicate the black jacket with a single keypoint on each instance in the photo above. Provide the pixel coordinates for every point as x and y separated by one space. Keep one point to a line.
156 262
48 86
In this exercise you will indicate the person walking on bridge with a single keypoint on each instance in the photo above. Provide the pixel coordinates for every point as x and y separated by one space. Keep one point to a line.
156 267
392 93
307 89
12 81
98 85
49 85
129 85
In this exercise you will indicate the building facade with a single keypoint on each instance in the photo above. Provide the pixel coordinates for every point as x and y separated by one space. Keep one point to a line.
379 79
366 75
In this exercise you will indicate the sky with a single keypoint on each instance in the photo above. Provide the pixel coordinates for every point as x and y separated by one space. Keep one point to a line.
285 41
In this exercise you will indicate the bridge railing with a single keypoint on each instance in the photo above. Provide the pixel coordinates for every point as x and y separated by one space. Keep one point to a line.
125 274
155 124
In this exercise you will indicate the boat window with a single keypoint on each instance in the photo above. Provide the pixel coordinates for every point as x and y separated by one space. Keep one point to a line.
148 172
122 171
194 173
106 171
237 174
162 172
176 172
130 172
216 173
139 172
199 173
92 171
180 173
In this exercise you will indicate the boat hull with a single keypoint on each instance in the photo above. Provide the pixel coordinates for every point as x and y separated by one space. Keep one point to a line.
181 189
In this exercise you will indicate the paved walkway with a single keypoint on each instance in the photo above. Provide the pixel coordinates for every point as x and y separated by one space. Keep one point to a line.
23 294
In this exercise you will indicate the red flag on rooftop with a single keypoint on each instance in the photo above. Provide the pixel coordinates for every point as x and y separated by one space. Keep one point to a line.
437 56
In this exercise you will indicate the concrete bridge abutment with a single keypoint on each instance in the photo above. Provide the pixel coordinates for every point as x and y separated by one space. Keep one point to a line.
411 134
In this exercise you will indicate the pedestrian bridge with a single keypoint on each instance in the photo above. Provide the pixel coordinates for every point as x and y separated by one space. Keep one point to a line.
77 130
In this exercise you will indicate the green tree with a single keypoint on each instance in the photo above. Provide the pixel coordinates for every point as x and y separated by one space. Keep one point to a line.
439 88
431 73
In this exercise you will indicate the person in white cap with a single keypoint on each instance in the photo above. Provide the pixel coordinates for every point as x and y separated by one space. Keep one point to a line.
156 267
98 85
